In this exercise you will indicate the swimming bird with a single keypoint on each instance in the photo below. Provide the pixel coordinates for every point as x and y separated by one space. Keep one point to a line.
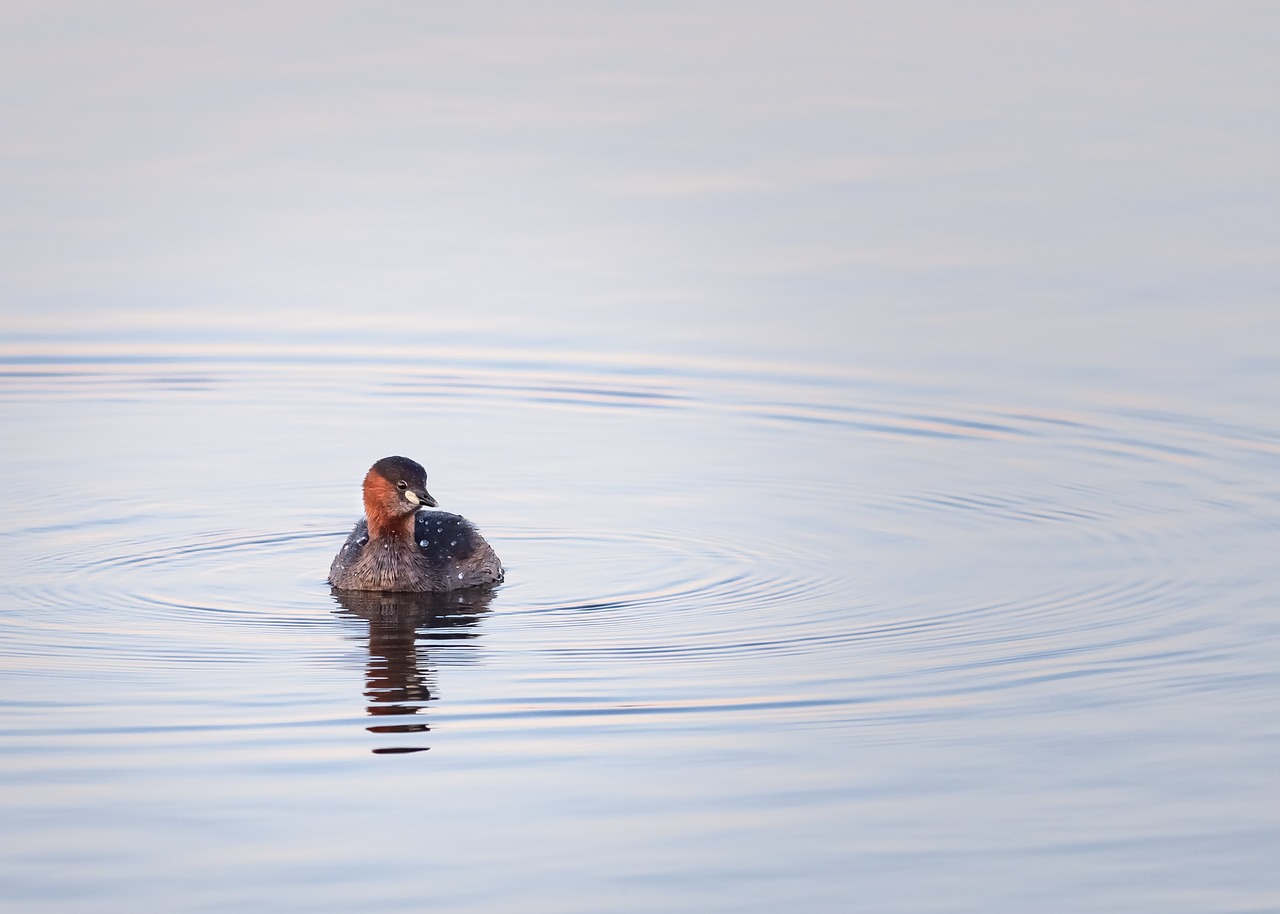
401 546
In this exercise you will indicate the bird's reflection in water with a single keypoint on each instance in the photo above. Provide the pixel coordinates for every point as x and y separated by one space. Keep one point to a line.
398 678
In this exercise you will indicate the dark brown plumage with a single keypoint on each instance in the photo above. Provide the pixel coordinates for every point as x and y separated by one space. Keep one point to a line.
399 547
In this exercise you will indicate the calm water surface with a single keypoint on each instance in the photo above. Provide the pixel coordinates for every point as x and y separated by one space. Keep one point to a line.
877 409
768 638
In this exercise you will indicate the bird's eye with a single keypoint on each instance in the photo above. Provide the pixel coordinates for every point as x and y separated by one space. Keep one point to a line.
402 485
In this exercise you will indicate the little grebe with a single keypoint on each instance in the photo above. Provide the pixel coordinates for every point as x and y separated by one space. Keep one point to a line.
396 547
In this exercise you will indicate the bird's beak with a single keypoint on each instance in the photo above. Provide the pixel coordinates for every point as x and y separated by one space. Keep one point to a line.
422 497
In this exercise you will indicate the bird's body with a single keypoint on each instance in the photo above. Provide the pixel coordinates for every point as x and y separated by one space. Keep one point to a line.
400 546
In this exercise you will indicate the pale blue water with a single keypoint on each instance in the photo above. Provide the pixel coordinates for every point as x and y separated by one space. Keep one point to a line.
876 412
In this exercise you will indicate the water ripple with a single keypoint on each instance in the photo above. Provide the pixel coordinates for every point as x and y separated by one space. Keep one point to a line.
949 549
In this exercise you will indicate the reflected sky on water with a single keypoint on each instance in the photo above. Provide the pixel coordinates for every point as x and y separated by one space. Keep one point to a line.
874 408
